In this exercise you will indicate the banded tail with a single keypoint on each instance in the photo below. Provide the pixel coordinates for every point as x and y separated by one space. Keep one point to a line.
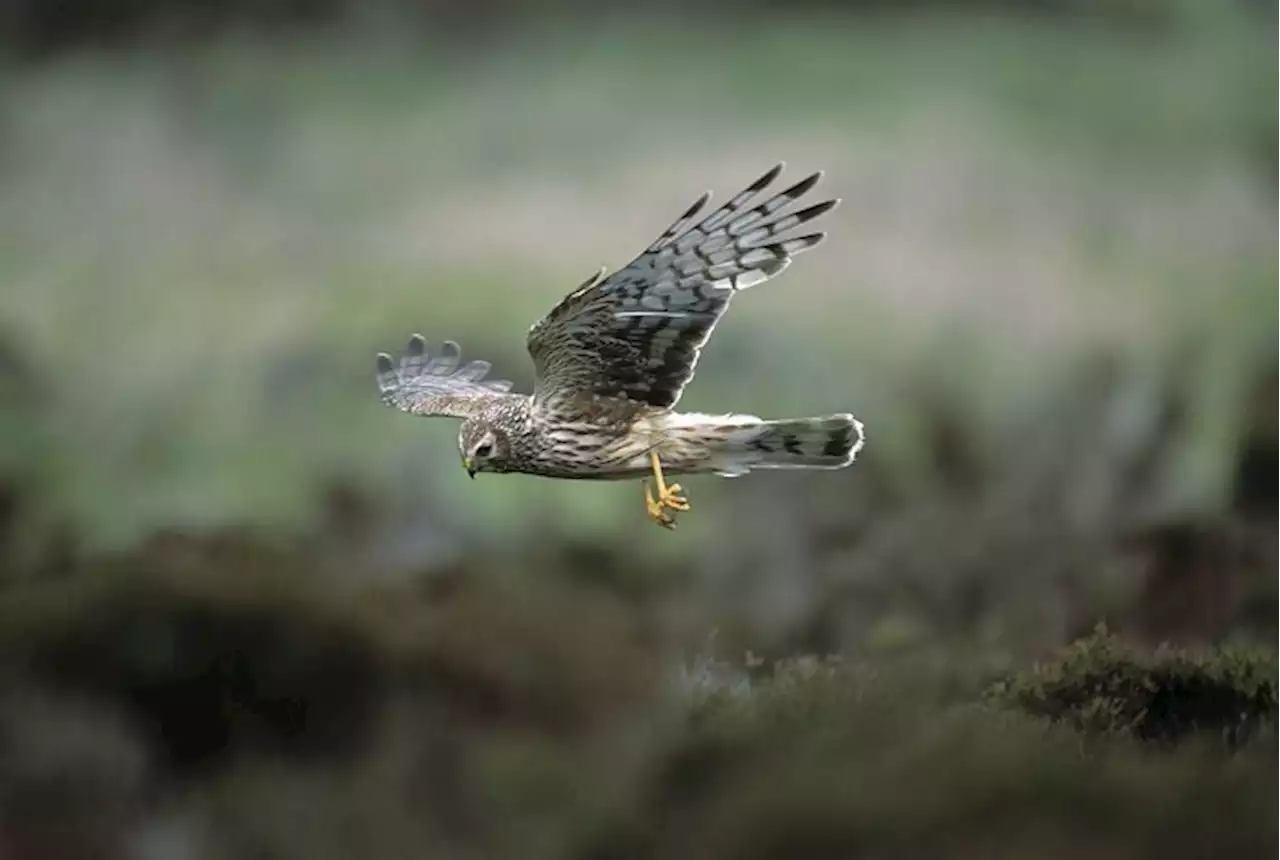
826 442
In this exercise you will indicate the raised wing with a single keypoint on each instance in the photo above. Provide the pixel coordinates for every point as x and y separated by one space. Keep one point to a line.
639 332
436 385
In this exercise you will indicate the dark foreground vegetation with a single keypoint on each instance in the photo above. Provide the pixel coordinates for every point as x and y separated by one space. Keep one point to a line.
216 698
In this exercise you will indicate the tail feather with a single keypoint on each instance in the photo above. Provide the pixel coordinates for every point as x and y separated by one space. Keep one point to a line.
827 442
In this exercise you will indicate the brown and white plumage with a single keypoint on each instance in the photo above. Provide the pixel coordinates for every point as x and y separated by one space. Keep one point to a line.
614 356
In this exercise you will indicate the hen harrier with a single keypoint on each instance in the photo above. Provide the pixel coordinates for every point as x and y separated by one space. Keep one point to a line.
612 358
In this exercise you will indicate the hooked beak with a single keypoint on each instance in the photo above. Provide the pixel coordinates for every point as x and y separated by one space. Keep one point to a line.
470 465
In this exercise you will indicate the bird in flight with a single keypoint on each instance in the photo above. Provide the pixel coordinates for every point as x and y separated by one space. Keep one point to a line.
613 357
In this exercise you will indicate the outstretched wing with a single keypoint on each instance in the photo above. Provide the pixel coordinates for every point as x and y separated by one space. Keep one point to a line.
638 333
436 385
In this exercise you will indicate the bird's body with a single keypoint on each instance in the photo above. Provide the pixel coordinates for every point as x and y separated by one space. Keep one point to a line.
613 357
591 437
611 438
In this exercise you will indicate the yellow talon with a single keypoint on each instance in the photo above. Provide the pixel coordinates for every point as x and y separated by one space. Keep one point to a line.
656 511
668 497
672 499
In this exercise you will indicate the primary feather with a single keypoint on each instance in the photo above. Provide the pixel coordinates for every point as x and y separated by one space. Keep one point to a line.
424 384
639 332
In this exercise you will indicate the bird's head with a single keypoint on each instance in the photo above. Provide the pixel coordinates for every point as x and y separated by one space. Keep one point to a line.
482 446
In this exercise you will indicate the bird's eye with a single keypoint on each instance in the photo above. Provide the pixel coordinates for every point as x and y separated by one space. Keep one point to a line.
484 450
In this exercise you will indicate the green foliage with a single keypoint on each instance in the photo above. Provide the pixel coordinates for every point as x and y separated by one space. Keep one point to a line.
907 757
1101 685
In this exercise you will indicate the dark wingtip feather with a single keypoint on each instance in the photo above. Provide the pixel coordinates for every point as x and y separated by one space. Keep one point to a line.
385 363
417 345
696 206
767 178
803 243
811 212
802 187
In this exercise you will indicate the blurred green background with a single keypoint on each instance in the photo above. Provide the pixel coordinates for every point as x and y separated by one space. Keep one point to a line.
1050 294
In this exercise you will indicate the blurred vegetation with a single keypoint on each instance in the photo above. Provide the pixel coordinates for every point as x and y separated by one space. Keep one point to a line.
245 611
240 223
218 699
75 23
1104 686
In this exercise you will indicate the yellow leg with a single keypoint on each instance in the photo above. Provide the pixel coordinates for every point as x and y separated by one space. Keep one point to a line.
668 494
668 497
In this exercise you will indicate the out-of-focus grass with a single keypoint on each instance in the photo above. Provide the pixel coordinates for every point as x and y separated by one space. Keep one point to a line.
202 252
